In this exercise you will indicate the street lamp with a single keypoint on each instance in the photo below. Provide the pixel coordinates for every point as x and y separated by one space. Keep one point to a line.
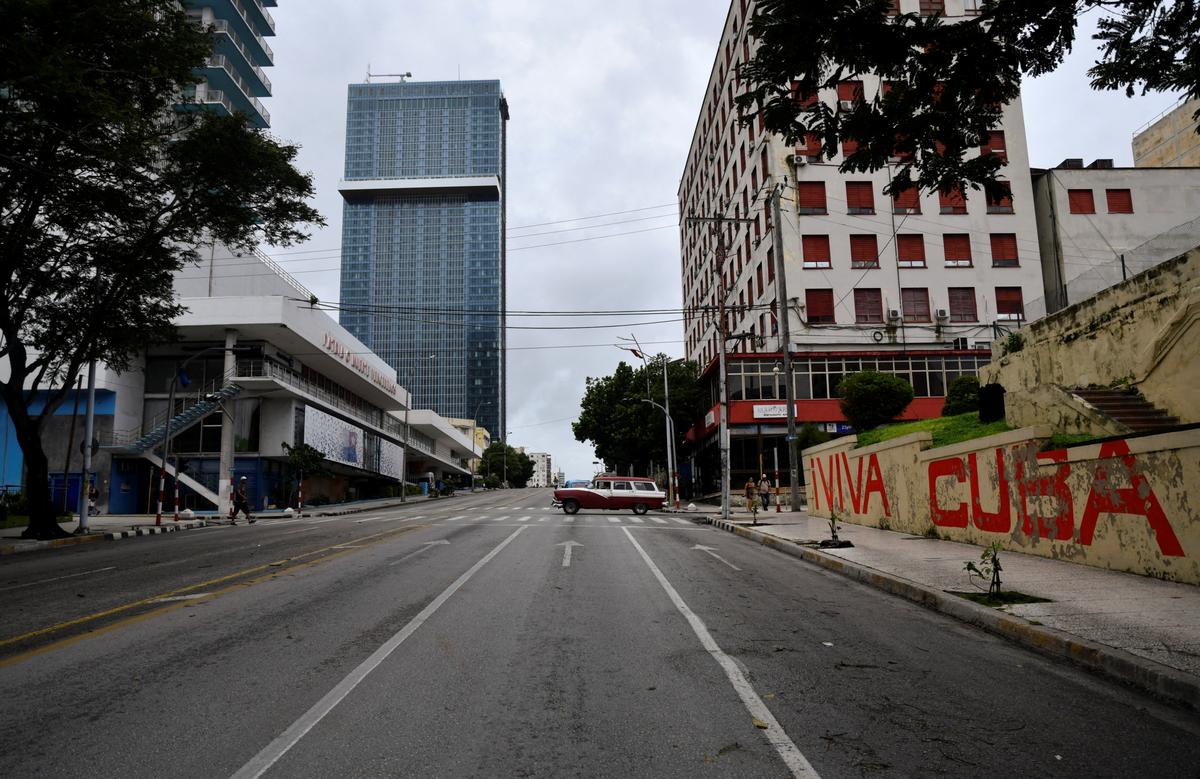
407 433
504 442
474 422
175 377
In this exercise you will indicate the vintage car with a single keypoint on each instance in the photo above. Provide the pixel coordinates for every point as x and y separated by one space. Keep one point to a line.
614 493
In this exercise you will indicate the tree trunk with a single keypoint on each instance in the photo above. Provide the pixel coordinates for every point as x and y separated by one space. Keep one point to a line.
43 516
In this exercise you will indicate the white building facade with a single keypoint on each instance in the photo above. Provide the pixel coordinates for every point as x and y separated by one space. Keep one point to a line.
543 473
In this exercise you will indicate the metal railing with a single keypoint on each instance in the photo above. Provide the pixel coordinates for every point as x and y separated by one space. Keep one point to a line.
287 277
222 26
222 62
184 400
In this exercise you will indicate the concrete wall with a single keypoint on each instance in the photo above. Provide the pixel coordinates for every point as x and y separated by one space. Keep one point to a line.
1123 504
1141 333
1171 141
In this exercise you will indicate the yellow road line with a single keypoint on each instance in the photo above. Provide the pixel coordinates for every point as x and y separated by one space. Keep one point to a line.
201 585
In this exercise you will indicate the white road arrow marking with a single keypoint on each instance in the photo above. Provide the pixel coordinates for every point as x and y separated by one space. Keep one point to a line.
424 548
567 546
712 551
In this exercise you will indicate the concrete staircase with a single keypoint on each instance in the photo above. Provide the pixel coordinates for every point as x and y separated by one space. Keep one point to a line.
1127 407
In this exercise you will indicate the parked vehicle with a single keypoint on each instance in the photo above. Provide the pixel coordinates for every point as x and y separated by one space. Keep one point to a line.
612 493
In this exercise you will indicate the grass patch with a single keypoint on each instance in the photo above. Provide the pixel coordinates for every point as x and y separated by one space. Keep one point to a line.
20 520
1003 598
945 430
1067 440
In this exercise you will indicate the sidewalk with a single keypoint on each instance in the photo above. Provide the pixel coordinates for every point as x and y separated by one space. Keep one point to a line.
110 528
1142 631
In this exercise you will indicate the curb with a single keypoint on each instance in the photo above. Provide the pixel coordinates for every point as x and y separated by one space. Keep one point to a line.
1146 675
35 546
154 530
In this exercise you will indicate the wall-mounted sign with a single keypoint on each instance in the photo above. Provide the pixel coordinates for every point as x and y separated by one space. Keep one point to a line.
710 419
770 411
361 364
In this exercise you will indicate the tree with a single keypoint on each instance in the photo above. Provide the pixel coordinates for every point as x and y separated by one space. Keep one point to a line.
501 461
870 398
627 432
105 190
303 461
948 81
962 397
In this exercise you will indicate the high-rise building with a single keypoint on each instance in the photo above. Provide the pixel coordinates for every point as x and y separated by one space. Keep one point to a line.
916 285
234 79
423 259
1170 139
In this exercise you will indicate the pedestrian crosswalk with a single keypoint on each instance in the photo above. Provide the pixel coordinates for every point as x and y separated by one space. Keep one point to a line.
493 514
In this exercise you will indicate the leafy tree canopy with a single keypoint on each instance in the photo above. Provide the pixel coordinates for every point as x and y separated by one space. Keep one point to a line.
106 190
946 81
627 432
871 398
501 460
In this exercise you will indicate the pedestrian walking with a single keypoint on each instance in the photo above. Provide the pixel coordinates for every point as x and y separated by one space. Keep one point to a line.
241 503
764 491
751 494
93 499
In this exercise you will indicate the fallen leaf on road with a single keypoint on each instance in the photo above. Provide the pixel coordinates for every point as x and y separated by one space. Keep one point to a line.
771 696
759 723
827 643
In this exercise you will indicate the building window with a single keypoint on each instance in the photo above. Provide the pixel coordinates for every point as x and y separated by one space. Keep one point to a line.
1004 250
1120 201
849 146
806 101
849 93
811 150
957 249
810 197
864 251
952 202
816 251
911 250
907 201
962 304
818 304
995 145
971 7
758 277
1081 201
914 304
931 7
1009 304
868 306
860 197
1001 202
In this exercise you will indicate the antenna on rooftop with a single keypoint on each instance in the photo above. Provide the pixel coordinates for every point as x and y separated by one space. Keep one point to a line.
402 76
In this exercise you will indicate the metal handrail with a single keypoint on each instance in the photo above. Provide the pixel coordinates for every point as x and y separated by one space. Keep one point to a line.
287 277
222 26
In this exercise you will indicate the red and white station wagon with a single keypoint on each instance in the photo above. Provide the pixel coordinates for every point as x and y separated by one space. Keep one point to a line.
614 493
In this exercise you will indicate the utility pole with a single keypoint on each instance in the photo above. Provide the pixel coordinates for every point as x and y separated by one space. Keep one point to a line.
785 335
719 284
88 433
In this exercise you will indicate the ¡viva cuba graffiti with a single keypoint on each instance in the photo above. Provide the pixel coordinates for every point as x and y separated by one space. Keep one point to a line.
1103 497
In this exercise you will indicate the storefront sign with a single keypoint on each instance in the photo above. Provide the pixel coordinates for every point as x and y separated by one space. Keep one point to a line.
361 364
771 411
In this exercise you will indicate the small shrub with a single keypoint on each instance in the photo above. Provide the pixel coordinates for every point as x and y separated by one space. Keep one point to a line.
1014 343
962 397
871 398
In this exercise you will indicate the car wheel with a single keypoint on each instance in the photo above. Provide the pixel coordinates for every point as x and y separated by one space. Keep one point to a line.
570 506
639 508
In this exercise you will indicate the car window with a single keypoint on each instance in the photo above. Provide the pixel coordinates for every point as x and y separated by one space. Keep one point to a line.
603 485
621 485
646 486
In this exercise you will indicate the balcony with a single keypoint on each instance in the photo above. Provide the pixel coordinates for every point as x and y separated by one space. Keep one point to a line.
221 70
237 12
229 39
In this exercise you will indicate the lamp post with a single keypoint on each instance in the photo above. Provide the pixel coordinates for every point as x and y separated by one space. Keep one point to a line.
673 476
407 434
474 423
504 443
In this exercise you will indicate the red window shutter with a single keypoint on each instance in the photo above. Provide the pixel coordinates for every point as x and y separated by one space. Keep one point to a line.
914 304
962 304
849 146
1120 201
811 147
907 201
850 90
819 306
860 197
758 277
770 264
1004 249
911 249
995 144
816 250
804 100
1081 201
1009 302
868 305
957 248
864 251
810 197
952 202
931 7
1002 203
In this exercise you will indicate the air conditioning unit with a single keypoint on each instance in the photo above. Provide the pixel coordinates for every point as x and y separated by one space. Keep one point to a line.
801 161
894 158
942 314
893 315
846 105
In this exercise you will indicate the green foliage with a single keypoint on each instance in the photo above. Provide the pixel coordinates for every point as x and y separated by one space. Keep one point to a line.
305 461
987 569
105 191
962 397
1014 343
948 80
504 462
870 398
627 432
809 435
945 430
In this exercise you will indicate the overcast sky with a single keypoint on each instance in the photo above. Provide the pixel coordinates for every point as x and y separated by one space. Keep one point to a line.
603 103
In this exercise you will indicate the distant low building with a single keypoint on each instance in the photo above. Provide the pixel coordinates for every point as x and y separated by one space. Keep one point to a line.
542 474
1170 140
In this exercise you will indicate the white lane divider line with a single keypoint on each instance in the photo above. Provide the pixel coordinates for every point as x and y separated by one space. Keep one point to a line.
524 519
567 547
712 550
368 519
543 519
424 548
615 519
270 754
792 757
59 578
663 521
301 530
499 519
638 520
413 519
455 519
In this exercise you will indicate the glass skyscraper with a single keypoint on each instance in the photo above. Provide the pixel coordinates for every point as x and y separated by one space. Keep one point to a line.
423 239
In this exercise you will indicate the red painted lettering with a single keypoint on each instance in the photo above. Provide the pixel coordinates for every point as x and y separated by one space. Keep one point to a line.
875 486
855 487
1137 499
826 484
812 473
999 521
1050 487
956 517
